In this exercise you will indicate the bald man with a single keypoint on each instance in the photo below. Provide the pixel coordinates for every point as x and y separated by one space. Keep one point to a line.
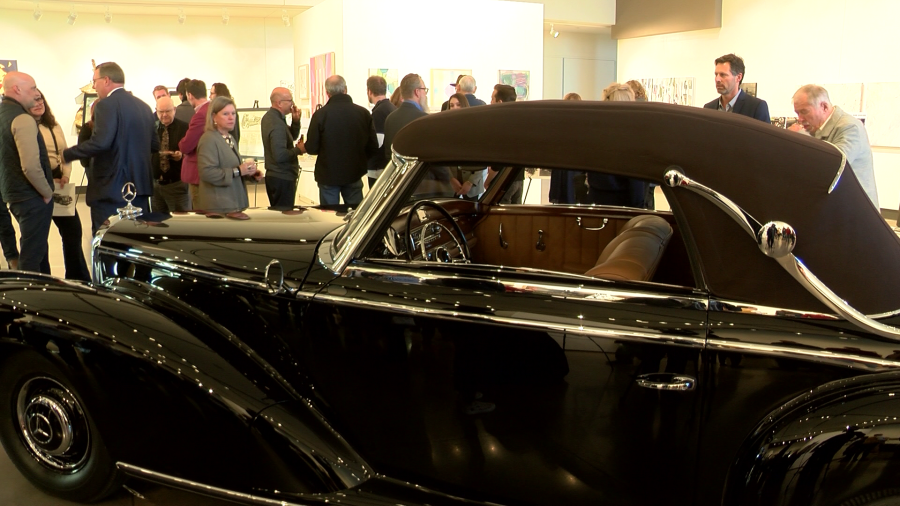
26 180
170 193
282 165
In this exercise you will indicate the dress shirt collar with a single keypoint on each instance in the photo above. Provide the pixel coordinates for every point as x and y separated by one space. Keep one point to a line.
730 106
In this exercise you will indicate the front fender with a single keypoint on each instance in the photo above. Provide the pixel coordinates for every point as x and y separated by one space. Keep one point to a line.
829 445
177 401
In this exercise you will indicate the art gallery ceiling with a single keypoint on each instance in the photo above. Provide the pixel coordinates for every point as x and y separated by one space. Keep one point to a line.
236 8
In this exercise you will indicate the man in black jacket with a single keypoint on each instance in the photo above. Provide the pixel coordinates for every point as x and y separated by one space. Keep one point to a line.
282 166
376 89
343 135
170 193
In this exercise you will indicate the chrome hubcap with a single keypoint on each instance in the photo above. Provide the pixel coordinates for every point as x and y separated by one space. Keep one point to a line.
53 425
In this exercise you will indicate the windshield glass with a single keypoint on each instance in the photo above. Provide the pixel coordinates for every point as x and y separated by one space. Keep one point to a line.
376 194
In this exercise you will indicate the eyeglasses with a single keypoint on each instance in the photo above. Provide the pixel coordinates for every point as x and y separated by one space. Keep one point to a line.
94 80
426 89
39 99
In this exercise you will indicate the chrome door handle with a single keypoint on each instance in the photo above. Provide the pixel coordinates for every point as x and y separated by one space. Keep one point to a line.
666 381
503 244
601 227
540 246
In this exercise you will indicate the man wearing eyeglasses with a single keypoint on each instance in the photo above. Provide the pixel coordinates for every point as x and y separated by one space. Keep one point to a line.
123 139
170 193
282 166
26 182
413 107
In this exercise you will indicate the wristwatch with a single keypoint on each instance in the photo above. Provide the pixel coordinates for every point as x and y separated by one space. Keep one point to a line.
237 172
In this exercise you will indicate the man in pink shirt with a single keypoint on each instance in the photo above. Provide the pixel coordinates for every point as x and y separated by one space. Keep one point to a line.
196 95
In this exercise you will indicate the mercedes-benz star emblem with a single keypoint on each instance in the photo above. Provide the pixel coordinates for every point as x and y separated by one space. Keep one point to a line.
40 428
129 192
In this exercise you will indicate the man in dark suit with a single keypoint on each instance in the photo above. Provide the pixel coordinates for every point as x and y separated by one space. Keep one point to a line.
467 86
122 143
413 107
282 166
415 103
729 76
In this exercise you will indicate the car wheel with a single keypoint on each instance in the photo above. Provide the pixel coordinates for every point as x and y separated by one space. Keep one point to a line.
887 497
49 435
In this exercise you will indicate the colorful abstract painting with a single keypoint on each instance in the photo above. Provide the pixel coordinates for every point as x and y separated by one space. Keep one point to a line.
303 82
518 79
391 76
322 67
443 84
7 66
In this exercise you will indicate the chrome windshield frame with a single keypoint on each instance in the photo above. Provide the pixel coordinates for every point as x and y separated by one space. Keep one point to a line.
371 214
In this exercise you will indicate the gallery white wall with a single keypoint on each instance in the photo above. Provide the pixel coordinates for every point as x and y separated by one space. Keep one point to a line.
493 35
583 62
250 55
785 44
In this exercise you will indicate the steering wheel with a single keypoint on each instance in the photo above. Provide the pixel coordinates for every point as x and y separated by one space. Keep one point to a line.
461 242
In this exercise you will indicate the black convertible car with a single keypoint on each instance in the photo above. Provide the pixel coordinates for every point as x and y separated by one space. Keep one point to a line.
423 349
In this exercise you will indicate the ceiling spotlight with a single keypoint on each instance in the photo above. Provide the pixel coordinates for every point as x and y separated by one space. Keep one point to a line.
107 16
225 17
72 17
181 16
553 32
284 18
37 12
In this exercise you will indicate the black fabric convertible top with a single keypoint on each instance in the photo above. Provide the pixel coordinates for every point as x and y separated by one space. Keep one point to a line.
771 173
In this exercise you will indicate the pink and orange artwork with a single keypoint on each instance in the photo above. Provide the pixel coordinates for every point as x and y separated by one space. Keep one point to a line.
321 67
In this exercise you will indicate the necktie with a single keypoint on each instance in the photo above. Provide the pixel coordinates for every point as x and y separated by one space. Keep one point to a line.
164 159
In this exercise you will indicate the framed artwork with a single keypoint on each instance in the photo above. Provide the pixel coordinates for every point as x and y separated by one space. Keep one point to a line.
518 79
251 132
749 88
7 66
391 76
303 82
321 68
443 84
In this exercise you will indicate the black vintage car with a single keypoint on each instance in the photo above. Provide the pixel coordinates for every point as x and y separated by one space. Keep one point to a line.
741 349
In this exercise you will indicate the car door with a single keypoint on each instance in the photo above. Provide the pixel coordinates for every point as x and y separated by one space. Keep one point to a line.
513 385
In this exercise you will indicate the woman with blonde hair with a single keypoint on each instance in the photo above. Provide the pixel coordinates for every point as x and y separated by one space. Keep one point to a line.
617 92
610 190
640 93
219 164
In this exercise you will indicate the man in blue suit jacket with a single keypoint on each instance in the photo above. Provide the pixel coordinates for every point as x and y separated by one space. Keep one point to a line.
122 144
729 76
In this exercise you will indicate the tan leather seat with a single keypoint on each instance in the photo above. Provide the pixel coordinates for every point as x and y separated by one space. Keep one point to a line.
634 254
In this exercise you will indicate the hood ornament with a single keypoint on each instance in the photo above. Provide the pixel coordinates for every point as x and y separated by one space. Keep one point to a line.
129 193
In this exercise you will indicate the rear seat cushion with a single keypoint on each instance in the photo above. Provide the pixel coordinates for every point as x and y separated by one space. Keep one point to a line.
634 254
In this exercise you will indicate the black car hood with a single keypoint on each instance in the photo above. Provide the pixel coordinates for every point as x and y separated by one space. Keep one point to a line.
223 247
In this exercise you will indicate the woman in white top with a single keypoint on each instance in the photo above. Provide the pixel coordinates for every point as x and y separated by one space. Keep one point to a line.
69 226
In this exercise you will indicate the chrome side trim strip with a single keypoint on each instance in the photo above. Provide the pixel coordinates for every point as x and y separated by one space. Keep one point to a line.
729 306
840 172
788 261
697 342
200 488
844 359
175 267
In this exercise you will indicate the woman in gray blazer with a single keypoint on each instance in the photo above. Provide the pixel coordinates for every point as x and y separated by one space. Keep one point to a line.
219 163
